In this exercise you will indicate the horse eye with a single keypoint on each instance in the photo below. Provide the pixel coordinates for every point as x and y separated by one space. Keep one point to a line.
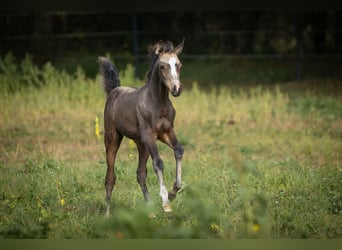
162 67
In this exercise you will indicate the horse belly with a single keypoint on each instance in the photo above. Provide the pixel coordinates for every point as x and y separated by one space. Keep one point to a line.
129 131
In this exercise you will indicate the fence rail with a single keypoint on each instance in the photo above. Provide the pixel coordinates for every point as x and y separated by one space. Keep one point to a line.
226 42
76 35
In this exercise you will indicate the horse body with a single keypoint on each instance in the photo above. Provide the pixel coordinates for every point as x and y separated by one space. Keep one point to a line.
144 115
127 123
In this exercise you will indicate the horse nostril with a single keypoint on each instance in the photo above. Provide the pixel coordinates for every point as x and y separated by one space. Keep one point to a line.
174 89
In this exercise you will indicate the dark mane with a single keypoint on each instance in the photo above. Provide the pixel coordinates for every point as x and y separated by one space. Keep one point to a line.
154 50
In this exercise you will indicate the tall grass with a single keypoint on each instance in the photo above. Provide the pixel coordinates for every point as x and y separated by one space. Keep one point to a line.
260 162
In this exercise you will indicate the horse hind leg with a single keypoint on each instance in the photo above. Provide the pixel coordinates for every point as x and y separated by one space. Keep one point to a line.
112 142
142 170
158 166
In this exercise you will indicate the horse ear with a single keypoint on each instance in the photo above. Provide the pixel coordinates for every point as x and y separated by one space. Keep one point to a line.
179 48
157 48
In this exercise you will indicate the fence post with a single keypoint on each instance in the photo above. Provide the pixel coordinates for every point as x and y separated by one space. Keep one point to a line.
298 34
135 44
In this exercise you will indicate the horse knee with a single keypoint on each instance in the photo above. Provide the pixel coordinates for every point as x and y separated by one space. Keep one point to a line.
141 176
158 164
179 151
110 182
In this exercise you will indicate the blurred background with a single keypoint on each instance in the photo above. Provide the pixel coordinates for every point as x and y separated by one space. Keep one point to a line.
260 120
220 47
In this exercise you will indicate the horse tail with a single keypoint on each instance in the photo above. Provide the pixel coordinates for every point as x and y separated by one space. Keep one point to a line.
110 76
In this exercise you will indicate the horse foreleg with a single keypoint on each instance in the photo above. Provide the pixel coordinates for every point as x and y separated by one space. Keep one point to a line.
178 151
171 140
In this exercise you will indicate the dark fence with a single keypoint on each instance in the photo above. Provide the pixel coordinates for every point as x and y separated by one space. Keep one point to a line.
297 36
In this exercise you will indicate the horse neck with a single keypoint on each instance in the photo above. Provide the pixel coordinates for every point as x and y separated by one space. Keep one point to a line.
157 88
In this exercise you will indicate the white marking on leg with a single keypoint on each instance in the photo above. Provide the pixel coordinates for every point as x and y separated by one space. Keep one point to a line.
165 198
179 173
164 194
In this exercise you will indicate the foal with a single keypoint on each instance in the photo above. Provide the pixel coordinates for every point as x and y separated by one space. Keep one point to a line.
144 115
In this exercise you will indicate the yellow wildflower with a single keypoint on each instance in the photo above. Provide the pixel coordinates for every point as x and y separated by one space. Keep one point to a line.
131 144
255 228
214 227
62 201
97 129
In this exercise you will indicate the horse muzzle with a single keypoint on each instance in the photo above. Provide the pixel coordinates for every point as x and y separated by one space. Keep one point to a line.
176 89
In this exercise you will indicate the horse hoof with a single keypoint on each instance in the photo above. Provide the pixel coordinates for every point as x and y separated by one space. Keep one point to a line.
167 208
172 196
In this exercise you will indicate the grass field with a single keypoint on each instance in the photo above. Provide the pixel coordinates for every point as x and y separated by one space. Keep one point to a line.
261 161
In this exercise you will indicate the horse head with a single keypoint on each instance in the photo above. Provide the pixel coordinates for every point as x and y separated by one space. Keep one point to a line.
170 65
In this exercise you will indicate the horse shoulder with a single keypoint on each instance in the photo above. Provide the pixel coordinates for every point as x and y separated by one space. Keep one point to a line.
169 112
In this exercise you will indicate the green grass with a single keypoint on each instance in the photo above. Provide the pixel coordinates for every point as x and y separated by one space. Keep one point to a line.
259 162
